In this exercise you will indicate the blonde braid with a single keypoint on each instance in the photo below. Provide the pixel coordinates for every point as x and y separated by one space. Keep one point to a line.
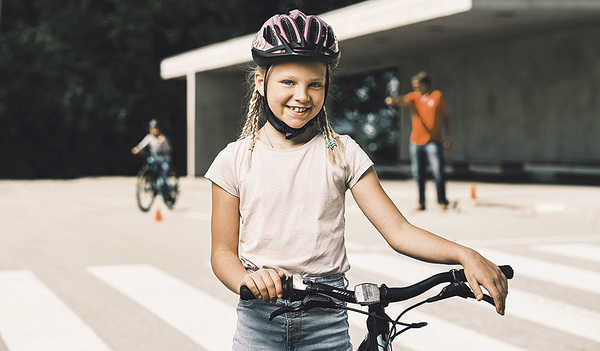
252 124
335 147
252 107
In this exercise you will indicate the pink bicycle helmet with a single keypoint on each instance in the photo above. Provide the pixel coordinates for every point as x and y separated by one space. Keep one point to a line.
295 35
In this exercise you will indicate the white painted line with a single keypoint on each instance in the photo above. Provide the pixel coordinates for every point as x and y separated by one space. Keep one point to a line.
540 240
580 251
555 273
204 319
530 240
33 318
537 309
554 314
549 207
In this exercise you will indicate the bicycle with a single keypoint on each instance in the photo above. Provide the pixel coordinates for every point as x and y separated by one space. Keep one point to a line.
381 329
148 186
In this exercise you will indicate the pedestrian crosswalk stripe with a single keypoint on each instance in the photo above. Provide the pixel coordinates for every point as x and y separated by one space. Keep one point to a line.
574 320
33 318
29 309
204 319
555 273
580 251
554 314
487 242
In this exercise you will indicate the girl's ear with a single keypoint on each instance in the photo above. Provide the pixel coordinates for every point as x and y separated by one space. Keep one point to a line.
259 82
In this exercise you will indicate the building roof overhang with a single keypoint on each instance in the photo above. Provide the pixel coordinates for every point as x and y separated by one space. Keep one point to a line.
384 29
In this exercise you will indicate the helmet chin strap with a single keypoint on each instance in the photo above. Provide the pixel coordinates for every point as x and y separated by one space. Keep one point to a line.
280 125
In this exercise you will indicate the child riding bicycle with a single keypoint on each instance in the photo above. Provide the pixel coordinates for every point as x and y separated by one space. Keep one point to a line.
160 150
278 196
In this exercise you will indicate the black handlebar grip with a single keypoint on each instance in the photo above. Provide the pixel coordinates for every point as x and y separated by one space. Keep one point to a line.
246 294
508 271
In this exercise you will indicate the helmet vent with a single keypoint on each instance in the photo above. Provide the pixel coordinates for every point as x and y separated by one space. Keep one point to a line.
270 36
288 29
330 38
300 24
313 32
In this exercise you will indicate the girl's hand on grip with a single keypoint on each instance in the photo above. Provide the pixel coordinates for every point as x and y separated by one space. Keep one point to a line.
265 284
482 272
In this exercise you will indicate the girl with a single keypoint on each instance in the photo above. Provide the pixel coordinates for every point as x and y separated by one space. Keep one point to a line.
159 147
278 196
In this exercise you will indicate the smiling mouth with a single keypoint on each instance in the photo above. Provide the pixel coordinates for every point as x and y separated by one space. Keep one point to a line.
298 109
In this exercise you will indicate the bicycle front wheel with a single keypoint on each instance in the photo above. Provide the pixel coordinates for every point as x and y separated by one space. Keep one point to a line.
144 191
171 191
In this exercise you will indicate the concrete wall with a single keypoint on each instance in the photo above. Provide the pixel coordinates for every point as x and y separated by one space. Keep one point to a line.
218 110
533 97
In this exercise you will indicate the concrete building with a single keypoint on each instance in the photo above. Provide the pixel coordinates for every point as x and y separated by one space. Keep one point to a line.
522 79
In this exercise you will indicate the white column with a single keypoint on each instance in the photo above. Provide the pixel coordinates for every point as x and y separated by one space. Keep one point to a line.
191 124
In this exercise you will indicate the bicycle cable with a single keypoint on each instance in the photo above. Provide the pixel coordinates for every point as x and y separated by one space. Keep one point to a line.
386 318
393 334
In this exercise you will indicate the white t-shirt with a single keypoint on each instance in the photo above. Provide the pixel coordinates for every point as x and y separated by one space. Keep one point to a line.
292 204
156 147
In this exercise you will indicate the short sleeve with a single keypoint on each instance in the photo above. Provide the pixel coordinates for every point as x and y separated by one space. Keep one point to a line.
222 171
358 161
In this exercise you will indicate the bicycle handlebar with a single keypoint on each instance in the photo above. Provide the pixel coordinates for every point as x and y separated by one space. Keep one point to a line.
386 295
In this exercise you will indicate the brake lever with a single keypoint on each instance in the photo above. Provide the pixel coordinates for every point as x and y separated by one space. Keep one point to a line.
313 301
309 302
460 290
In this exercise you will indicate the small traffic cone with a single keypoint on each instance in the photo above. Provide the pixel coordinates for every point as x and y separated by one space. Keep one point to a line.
158 216
473 192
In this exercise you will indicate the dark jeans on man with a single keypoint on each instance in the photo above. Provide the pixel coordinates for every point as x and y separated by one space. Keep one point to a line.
433 153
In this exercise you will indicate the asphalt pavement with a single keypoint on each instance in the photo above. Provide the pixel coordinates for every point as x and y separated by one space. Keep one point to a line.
573 202
80 251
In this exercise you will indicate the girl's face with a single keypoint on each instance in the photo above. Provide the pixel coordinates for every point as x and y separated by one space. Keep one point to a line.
295 90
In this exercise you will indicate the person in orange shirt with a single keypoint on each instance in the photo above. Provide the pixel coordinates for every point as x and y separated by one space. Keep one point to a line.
429 114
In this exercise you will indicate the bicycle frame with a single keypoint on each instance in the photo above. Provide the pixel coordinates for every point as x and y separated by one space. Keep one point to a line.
151 166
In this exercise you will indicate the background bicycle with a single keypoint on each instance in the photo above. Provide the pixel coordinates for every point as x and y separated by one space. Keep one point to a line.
150 184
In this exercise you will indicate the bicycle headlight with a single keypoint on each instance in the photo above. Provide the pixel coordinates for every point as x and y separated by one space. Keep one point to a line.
367 294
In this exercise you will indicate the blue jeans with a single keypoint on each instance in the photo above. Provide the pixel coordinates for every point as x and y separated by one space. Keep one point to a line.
434 153
162 167
315 329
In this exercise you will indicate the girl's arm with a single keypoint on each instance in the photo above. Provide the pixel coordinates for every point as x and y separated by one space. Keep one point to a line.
418 243
225 262
142 144
165 142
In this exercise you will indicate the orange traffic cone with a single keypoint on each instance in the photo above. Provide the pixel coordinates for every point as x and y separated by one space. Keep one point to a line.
473 192
158 216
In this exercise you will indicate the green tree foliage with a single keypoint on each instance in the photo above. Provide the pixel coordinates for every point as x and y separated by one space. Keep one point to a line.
358 110
79 79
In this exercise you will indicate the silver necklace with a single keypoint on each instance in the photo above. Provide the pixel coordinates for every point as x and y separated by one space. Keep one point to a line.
269 139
